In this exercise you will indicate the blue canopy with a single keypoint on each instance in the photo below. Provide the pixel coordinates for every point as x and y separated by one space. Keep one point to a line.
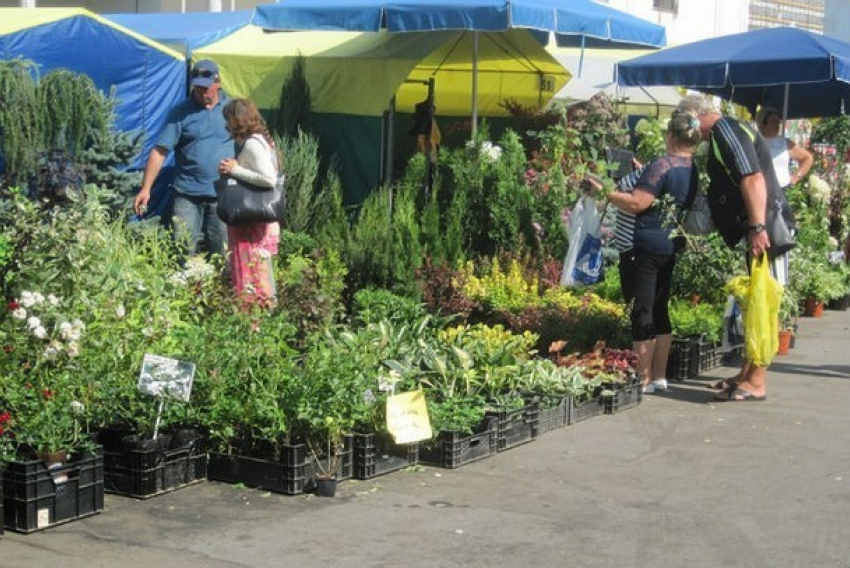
185 32
148 78
563 17
808 72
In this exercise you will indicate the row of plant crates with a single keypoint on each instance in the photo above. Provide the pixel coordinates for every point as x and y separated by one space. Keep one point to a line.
35 497
502 430
690 356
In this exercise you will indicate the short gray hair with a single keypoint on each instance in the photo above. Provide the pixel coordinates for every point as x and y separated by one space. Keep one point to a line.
698 104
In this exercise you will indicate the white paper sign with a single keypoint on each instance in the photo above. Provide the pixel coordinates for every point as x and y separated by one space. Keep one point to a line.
165 376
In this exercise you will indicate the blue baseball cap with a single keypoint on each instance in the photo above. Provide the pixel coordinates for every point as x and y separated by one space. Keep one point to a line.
204 73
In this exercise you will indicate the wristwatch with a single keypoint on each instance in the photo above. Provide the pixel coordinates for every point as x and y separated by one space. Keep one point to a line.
757 228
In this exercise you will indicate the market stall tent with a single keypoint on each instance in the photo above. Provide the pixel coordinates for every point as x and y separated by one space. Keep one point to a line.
184 31
147 77
593 72
355 78
804 73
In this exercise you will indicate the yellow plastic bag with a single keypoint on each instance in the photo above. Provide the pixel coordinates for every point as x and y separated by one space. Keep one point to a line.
761 318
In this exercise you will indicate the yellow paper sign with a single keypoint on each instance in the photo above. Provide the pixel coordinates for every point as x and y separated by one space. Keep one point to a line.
407 417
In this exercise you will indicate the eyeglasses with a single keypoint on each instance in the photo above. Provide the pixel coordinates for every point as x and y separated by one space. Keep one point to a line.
205 73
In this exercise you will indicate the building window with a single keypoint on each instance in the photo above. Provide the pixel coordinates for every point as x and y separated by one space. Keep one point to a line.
666 5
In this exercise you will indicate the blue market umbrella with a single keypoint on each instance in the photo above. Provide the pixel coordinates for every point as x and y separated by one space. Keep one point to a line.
803 73
565 18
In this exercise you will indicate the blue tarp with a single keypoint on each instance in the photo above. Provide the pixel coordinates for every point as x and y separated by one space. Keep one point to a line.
184 32
563 17
148 80
753 68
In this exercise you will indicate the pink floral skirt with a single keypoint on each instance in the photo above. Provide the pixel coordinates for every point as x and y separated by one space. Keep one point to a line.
251 250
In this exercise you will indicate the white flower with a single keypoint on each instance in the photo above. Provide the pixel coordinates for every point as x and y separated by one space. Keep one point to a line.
27 299
38 297
197 268
53 300
178 278
39 332
491 151
818 188
78 325
33 322
77 407
147 332
73 349
120 311
52 351
65 328
19 314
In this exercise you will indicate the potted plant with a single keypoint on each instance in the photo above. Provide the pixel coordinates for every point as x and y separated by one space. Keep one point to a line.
788 311
818 285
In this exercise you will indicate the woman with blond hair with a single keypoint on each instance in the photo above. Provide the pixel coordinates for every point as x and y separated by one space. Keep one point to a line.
647 267
257 162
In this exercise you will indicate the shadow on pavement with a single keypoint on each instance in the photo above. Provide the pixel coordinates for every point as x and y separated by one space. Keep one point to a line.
831 371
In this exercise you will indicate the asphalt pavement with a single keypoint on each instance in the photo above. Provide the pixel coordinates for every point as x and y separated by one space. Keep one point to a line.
678 481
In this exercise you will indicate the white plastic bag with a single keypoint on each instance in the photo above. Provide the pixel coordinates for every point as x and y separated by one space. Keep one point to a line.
583 263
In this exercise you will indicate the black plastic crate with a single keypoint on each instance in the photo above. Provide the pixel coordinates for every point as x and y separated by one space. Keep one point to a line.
683 362
709 353
622 399
516 426
145 473
554 417
589 408
377 454
292 475
35 497
453 449
734 357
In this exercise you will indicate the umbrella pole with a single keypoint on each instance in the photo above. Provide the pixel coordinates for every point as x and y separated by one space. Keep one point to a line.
785 96
474 84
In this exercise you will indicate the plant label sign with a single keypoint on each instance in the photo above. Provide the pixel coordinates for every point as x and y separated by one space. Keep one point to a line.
407 417
161 376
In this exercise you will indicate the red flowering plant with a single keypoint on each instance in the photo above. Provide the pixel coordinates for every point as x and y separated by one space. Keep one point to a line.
41 416
7 441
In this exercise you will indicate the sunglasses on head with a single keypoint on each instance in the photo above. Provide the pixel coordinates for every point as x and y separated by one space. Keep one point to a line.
205 73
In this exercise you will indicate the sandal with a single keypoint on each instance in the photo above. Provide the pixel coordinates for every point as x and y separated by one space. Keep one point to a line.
723 384
734 393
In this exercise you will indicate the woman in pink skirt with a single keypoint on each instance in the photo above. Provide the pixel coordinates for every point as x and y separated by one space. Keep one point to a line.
252 246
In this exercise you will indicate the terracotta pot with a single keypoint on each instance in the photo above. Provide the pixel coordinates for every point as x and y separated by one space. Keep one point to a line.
814 308
785 336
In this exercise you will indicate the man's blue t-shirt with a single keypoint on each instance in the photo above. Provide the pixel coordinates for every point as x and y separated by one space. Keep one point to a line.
200 141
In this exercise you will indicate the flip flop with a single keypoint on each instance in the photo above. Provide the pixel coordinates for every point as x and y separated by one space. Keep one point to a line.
734 393
722 384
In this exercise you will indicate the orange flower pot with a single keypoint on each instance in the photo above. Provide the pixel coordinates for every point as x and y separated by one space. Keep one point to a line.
785 336
814 308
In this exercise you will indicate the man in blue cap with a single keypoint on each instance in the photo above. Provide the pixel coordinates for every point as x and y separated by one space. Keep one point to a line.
196 132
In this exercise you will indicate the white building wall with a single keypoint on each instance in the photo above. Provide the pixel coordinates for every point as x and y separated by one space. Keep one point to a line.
836 19
694 19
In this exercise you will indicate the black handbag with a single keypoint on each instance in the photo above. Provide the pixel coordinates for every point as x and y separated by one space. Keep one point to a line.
779 225
242 203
